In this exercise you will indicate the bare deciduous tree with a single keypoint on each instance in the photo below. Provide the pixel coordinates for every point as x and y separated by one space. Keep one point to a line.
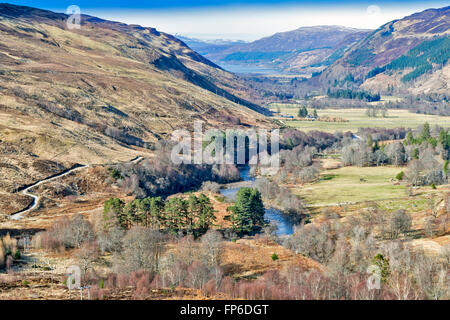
211 247
141 250
399 222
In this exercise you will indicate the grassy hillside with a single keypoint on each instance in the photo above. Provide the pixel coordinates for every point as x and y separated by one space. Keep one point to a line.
104 93
87 94
344 185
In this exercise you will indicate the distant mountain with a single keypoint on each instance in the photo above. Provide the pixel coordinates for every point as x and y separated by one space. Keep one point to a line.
304 38
304 50
205 46
406 55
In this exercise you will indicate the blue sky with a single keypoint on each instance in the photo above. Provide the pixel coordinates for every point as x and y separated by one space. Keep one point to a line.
241 19
174 4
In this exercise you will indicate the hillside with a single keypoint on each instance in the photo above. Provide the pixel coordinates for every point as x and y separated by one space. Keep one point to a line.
104 93
406 55
109 84
304 50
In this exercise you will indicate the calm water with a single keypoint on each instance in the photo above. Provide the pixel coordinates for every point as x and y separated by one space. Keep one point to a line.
242 68
285 226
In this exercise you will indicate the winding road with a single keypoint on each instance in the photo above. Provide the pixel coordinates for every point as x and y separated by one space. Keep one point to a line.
19 215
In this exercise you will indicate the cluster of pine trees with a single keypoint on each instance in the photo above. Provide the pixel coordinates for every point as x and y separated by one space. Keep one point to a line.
248 211
350 94
303 112
193 215
425 136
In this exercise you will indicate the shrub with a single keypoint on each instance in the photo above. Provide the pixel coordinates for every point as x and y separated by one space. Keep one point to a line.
274 257
115 173
98 293
8 247
210 186
221 199
400 222
400 176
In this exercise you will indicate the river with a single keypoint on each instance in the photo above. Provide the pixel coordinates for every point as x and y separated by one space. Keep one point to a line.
284 224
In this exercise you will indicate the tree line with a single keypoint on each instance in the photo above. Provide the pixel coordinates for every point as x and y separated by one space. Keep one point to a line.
418 151
193 215
350 94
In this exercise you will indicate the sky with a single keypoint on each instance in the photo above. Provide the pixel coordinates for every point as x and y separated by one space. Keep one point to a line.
241 19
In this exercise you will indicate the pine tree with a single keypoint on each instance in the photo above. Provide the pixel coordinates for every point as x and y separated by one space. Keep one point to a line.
131 213
157 211
194 210
151 211
410 138
376 146
426 134
114 206
257 207
302 112
176 212
248 211
206 216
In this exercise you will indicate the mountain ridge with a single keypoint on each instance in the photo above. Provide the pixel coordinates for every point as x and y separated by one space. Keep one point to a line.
304 50
392 41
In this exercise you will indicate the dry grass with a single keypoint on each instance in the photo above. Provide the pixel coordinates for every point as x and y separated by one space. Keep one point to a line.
250 258
90 72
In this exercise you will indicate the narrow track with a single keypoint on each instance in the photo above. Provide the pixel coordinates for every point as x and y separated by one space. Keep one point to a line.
20 214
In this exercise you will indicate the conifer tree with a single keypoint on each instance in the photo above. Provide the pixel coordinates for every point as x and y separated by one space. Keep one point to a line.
248 211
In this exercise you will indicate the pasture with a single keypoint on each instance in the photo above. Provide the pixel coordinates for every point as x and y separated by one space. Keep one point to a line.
352 184
357 118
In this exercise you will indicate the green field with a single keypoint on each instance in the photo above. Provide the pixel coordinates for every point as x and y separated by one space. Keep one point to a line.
343 185
357 118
